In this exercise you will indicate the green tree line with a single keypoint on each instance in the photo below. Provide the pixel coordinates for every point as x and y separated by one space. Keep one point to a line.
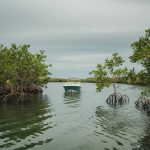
23 73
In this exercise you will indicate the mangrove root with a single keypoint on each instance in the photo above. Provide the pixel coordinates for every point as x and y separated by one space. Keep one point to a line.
117 99
143 104
18 95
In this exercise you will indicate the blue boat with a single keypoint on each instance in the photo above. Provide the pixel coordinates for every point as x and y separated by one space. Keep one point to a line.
72 84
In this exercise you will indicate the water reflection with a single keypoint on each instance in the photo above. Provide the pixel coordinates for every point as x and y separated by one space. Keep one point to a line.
145 141
22 127
110 121
111 127
115 125
72 98
74 124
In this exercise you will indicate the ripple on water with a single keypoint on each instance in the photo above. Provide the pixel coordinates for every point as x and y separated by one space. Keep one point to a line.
117 128
26 127
75 122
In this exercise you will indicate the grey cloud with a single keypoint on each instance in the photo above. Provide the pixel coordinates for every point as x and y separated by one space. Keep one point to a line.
37 15
73 28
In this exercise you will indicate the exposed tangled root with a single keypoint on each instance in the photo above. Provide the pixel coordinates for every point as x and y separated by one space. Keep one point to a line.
117 99
8 95
143 104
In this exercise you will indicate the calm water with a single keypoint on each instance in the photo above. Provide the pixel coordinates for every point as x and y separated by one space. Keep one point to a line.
78 121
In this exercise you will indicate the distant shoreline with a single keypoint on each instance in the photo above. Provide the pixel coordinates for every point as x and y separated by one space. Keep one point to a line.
93 80
88 80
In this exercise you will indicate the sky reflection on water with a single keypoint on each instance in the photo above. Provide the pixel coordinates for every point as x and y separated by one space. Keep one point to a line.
75 121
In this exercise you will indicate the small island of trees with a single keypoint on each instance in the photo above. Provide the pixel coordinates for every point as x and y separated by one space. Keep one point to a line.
21 73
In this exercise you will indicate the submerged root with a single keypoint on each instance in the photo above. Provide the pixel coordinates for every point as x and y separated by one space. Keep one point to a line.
117 99
143 104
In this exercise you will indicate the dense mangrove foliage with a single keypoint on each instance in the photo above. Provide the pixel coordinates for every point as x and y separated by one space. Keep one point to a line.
21 73
111 70
141 54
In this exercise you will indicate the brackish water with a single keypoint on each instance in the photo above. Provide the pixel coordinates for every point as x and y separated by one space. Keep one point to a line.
78 121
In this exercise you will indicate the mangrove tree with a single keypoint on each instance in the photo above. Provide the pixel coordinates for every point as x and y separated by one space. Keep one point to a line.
22 73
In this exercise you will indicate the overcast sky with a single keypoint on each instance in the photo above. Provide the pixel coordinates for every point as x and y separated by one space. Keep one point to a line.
76 34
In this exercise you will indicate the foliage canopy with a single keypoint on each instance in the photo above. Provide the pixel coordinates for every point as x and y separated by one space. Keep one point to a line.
107 72
141 53
21 70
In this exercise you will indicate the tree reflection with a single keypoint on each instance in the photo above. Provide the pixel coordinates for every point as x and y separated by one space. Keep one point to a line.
117 124
25 124
144 142
110 120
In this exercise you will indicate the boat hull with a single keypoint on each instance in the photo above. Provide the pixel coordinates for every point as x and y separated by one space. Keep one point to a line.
72 88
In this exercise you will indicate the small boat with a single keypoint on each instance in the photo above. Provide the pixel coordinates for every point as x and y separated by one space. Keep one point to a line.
72 84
